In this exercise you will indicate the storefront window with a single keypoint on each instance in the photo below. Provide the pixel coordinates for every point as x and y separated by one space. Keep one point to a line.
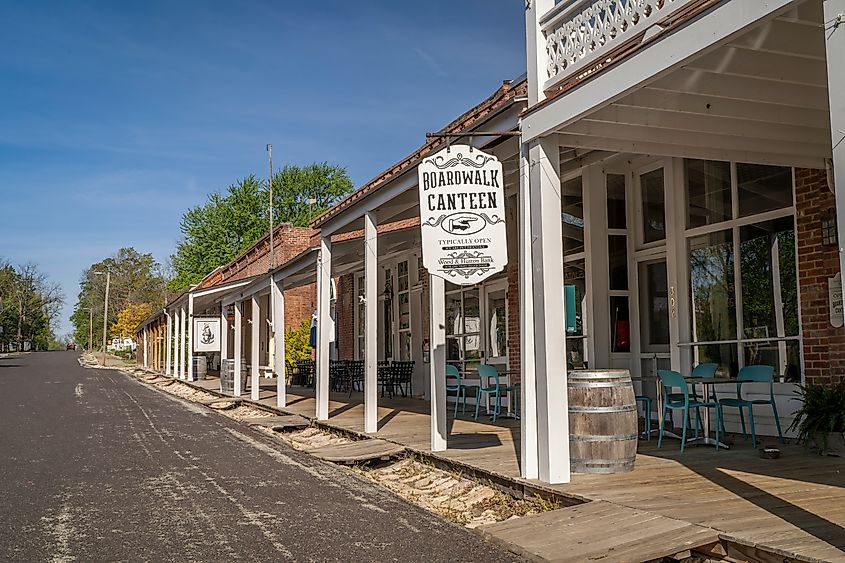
463 326
617 246
708 192
575 294
616 202
572 216
763 188
620 328
496 325
654 206
654 313
711 261
763 328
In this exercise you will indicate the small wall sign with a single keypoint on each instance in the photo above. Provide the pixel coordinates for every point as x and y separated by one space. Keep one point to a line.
206 334
462 215
837 313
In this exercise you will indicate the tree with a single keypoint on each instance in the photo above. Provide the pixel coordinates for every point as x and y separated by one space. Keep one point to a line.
129 318
216 232
135 278
29 306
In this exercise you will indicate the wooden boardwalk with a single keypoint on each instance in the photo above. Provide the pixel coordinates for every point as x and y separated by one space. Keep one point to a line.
793 506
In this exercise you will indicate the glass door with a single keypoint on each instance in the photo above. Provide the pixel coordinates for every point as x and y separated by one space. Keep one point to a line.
495 327
463 326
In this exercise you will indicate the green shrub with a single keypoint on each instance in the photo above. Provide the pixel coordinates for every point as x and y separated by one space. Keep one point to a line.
821 414
297 345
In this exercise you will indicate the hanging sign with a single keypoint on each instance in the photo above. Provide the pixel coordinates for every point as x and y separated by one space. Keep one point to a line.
206 334
834 287
462 215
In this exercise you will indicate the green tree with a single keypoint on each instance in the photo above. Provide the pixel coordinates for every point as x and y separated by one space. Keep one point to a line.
135 279
29 306
227 224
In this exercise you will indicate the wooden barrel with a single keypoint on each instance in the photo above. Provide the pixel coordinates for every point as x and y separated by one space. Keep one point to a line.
602 421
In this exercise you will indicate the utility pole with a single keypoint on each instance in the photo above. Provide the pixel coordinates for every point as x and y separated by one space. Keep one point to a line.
272 256
90 328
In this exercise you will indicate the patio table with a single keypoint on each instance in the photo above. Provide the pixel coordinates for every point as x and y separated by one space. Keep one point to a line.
706 392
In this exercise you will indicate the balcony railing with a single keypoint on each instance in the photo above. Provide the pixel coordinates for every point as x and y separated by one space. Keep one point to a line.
581 34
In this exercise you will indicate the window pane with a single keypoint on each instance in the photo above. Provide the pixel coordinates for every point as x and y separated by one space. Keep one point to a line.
712 287
617 250
454 319
708 192
572 215
472 312
722 354
616 201
654 318
620 330
453 349
472 350
574 277
497 342
769 302
654 217
405 346
784 357
404 310
402 272
763 188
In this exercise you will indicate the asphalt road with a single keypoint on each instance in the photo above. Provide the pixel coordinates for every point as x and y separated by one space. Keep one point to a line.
96 466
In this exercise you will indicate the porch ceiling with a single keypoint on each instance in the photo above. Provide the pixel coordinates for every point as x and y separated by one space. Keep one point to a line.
761 97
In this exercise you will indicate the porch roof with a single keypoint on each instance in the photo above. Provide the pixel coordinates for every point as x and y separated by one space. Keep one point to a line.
744 81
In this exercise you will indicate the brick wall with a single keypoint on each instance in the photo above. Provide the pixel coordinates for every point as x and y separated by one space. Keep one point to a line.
513 320
345 317
824 345
300 303
288 241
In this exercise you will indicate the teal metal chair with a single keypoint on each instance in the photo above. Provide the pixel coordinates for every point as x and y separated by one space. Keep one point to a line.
646 401
491 390
670 380
763 374
453 385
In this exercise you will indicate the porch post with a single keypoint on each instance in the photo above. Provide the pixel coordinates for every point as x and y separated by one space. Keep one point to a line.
549 335
535 44
370 322
239 311
146 363
183 371
834 13
277 290
324 323
180 344
254 342
190 321
168 345
437 367
528 382
224 335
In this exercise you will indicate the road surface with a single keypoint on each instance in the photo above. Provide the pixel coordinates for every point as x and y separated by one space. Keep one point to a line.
97 466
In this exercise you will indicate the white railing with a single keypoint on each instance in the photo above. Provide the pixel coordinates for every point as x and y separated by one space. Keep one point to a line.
580 32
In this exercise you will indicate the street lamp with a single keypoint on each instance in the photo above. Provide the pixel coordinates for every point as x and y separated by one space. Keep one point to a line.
105 310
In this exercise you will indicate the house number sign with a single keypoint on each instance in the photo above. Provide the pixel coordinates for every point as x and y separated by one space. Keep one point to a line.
462 215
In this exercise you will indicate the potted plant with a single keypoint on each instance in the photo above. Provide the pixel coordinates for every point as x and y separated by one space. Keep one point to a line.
822 415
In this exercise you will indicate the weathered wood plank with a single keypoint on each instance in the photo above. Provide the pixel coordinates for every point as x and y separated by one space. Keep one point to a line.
355 452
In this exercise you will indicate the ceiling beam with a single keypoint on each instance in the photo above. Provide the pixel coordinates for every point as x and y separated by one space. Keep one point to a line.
760 65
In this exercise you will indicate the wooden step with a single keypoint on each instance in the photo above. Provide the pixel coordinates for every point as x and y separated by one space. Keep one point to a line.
359 451
279 423
600 531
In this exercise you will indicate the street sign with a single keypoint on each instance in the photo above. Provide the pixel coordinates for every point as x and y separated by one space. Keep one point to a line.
206 334
462 215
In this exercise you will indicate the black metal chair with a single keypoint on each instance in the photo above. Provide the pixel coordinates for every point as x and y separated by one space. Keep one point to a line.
338 377
355 371
305 368
403 374
385 378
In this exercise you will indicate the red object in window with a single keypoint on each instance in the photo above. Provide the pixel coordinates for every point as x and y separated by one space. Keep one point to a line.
623 341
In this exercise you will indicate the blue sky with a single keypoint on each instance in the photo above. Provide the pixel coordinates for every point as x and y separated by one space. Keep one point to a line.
116 117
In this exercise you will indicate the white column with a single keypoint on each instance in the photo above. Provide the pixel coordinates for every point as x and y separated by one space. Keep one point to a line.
146 363
528 385
549 334
370 322
324 326
834 13
437 367
190 355
277 289
255 386
239 311
224 335
168 364
183 372
535 51
179 345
